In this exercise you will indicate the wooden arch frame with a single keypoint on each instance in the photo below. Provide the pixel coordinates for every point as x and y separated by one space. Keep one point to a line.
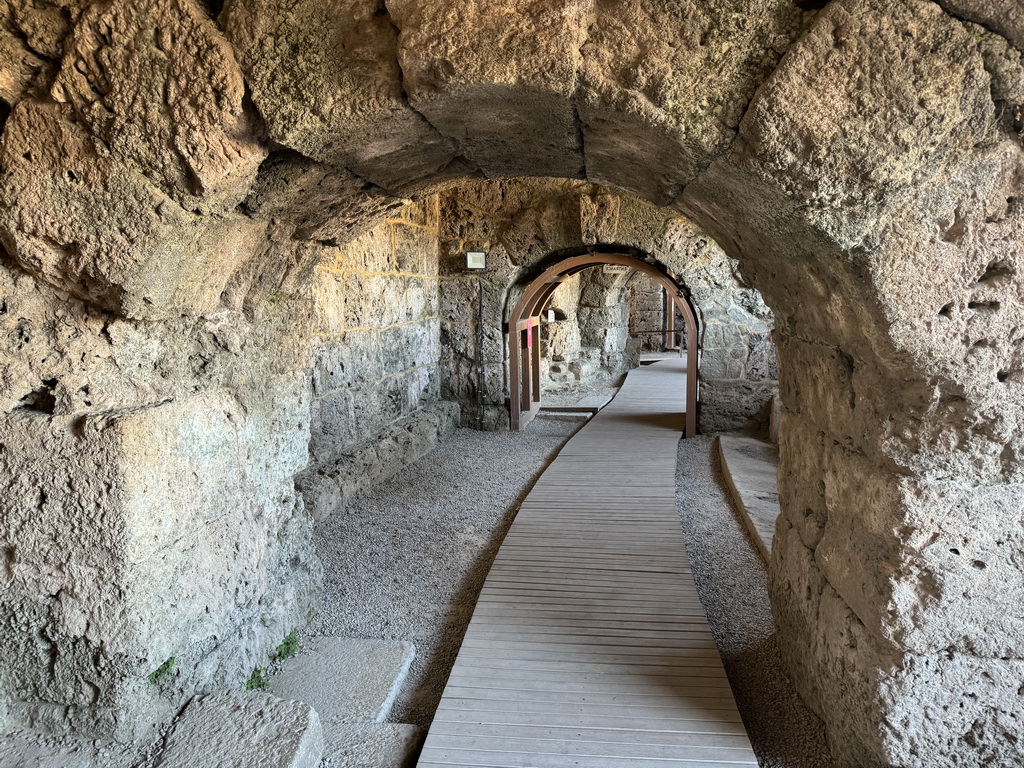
524 354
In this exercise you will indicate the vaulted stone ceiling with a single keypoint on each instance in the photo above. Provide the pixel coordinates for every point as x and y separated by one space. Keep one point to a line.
861 158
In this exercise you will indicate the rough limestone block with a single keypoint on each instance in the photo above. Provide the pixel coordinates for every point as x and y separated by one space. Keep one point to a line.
372 745
499 78
317 201
158 85
346 680
1005 17
953 709
896 298
144 258
347 360
727 406
26 59
333 480
109 523
646 90
235 729
325 77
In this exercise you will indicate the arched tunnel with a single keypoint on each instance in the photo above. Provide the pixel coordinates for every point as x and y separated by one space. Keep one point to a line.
233 251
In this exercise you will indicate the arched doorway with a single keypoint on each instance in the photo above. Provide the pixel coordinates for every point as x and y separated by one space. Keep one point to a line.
524 351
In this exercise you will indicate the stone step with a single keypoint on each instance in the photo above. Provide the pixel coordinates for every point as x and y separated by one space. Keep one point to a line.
750 467
244 729
346 680
353 685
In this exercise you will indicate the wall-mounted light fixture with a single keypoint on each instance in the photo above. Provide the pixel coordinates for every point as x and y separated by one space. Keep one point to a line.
476 260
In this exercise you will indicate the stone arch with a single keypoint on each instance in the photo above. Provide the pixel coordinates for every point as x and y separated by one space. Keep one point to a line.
524 375
862 160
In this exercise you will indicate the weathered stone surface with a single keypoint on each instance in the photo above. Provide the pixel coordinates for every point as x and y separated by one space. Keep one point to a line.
886 281
376 304
146 453
116 514
346 680
325 77
970 702
57 356
374 745
750 469
504 91
734 404
157 84
333 480
31 43
646 88
277 733
317 201
1005 17
146 258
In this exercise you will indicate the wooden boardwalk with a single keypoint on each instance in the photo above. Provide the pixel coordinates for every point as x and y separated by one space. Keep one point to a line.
589 646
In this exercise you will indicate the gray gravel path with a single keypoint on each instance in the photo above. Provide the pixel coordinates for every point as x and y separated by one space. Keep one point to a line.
732 583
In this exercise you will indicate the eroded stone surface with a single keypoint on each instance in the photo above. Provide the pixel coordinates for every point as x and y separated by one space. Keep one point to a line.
146 257
316 201
860 188
1005 17
277 733
671 81
157 84
143 454
116 515
346 680
325 77
498 78
375 745
869 181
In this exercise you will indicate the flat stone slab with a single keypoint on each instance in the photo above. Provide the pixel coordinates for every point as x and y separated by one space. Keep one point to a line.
594 401
374 745
346 680
244 729
17 751
751 472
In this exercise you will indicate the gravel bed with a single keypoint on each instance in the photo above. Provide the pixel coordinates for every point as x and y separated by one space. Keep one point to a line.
407 561
732 583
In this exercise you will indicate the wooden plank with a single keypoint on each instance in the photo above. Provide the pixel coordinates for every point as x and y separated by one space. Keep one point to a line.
494 713
589 645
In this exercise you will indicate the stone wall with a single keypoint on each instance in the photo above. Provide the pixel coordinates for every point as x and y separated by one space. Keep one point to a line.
518 224
587 344
375 353
647 313
165 177
738 370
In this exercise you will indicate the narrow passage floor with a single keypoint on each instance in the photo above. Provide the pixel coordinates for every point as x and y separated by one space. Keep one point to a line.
589 645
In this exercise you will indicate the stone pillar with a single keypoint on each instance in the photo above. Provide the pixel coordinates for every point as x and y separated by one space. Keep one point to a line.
130 537
884 230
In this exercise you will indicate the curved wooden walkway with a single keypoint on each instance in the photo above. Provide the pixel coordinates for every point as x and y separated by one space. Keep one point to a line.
589 646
